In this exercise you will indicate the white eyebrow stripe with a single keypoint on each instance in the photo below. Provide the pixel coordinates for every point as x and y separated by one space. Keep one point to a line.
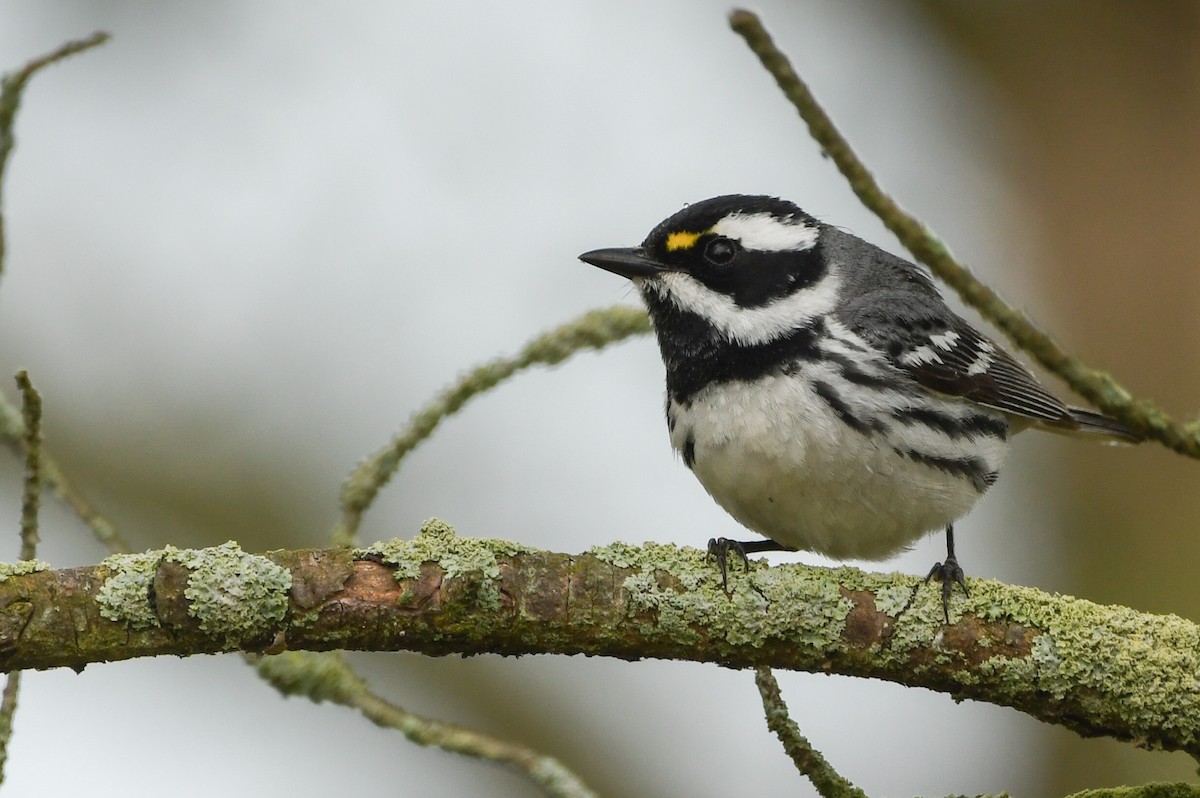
764 232
747 325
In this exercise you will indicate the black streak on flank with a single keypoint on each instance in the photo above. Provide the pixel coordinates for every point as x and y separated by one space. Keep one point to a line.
974 425
689 451
842 410
971 469
853 372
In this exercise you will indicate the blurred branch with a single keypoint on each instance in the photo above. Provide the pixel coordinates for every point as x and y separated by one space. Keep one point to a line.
808 760
31 407
31 498
327 677
12 85
13 429
1095 386
13 432
593 330
1059 659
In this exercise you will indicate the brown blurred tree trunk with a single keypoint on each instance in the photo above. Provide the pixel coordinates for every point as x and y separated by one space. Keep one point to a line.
1106 99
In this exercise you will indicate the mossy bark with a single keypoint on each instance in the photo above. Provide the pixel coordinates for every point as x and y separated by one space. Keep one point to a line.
1098 670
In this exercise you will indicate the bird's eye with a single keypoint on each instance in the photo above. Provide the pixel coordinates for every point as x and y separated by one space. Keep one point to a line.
720 251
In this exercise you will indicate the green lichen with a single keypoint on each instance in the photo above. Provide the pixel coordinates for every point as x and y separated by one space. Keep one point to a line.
232 593
125 595
458 556
1078 649
681 589
894 598
806 606
1152 790
21 568
618 555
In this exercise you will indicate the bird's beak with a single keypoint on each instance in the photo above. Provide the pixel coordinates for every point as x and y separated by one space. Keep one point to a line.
627 262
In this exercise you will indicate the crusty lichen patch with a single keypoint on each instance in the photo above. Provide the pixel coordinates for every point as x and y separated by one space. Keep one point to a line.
21 568
231 593
1068 648
1088 647
458 556
125 595
682 588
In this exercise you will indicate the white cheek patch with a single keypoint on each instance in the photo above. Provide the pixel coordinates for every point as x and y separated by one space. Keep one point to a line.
747 326
766 233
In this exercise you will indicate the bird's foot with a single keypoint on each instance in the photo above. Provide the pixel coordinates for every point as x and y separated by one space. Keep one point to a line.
949 574
719 549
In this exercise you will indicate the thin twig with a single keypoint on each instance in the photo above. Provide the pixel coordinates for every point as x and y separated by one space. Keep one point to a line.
593 330
12 432
8 708
12 429
31 407
809 761
327 677
31 498
11 87
1095 386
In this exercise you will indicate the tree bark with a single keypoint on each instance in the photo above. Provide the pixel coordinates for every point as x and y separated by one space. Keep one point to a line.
1097 670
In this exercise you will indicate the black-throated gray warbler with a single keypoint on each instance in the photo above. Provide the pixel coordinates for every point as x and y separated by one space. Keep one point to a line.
820 388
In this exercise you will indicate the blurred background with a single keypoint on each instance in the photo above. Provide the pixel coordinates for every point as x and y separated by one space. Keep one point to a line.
246 240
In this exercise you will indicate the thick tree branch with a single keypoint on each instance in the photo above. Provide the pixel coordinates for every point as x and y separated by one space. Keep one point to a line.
1097 670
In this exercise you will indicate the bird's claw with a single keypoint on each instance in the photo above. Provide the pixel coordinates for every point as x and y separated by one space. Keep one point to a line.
950 574
719 548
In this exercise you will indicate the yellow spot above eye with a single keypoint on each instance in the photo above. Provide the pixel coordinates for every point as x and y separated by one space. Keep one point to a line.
681 240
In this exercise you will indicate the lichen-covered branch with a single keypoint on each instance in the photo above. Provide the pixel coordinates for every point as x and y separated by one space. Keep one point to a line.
1097 670
808 760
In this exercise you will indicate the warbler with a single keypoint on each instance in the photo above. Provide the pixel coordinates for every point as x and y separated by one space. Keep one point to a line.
821 389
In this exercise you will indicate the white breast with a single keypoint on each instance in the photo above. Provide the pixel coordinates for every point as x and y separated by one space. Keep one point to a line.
781 462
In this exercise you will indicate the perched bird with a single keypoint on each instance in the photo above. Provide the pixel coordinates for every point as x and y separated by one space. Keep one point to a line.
820 388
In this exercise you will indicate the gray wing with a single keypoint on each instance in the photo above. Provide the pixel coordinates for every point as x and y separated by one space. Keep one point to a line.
896 307
944 353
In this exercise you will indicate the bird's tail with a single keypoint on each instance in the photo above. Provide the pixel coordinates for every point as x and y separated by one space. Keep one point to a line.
1089 422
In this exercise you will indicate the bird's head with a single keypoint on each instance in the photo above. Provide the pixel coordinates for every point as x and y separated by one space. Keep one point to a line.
749 268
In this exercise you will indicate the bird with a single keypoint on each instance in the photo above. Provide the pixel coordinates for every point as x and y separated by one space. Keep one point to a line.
821 389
